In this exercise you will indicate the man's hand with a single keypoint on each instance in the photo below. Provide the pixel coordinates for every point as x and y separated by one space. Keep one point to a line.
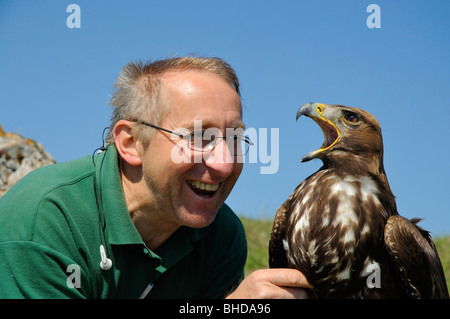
272 284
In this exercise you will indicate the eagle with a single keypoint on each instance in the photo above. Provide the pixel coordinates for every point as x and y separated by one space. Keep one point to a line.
341 228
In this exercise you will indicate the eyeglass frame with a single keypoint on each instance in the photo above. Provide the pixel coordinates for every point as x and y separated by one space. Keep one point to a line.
246 139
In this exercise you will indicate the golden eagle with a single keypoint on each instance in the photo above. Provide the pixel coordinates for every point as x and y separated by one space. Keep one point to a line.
340 226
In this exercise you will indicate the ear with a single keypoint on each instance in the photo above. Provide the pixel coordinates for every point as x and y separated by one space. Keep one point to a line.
126 143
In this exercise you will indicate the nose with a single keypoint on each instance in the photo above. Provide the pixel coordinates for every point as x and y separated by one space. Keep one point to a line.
220 159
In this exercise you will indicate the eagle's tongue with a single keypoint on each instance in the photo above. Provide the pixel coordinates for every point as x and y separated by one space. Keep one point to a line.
329 132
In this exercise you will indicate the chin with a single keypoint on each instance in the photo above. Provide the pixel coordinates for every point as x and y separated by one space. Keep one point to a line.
198 218
197 209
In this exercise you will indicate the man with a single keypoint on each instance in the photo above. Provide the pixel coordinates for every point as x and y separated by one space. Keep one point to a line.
146 217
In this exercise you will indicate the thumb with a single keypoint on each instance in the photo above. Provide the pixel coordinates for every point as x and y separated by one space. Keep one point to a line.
287 277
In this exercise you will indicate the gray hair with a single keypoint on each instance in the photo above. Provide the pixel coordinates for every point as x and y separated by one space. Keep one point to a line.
138 90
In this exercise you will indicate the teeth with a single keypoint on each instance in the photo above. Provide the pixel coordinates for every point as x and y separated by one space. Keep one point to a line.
204 186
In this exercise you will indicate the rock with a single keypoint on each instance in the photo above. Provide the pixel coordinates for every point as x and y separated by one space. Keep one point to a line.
18 157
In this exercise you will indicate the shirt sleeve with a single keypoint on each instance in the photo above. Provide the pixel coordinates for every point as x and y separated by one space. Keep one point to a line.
39 257
30 270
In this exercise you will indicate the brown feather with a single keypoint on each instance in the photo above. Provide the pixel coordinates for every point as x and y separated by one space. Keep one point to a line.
342 221
276 249
413 251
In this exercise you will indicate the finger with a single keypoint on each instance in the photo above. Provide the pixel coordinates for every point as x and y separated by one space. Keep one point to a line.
287 293
295 293
288 278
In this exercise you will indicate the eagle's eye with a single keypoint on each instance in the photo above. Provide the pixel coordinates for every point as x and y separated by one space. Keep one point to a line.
353 118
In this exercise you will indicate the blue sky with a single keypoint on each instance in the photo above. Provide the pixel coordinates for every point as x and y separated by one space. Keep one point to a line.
55 82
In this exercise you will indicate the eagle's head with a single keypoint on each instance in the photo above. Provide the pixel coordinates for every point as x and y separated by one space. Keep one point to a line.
351 135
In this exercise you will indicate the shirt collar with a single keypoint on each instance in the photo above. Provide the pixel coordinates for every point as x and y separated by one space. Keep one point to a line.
119 228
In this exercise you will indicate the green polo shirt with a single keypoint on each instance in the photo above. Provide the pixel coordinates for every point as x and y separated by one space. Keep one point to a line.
50 238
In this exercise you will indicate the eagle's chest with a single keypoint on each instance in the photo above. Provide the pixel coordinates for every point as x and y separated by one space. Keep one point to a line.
331 224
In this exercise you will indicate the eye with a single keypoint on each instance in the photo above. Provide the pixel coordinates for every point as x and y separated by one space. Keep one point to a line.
351 117
201 138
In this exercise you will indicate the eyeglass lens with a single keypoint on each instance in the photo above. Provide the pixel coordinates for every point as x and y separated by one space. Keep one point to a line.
206 141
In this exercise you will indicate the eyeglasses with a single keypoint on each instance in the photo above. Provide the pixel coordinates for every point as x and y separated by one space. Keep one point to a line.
206 141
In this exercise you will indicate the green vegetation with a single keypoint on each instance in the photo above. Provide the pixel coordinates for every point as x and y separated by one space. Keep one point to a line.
443 247
258 234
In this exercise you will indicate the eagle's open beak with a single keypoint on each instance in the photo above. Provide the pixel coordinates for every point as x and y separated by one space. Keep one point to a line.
329 129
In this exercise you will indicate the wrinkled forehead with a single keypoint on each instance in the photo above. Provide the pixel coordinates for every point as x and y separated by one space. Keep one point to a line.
201 96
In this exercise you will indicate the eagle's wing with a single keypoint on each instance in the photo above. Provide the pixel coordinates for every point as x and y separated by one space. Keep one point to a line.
415 258
277 253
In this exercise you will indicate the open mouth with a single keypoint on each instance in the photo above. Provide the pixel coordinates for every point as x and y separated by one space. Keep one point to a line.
203 189
330 133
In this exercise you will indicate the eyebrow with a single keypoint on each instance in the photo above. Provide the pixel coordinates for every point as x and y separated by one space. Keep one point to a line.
207 124
238 124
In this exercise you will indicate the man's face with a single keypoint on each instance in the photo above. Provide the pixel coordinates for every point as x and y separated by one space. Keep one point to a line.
176 186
